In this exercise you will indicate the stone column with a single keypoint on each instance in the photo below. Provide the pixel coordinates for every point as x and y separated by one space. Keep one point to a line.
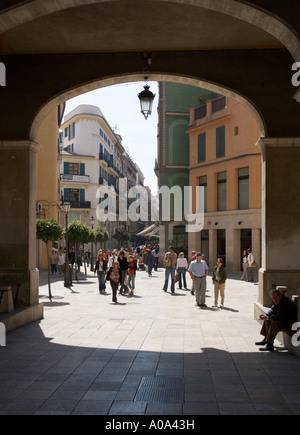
18 220
212 248
233 248
280 215
256 245
194 242
162 243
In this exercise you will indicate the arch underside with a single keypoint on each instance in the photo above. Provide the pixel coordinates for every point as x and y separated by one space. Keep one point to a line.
54 50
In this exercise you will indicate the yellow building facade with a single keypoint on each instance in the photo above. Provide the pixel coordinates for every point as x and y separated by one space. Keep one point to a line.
48 192
226 162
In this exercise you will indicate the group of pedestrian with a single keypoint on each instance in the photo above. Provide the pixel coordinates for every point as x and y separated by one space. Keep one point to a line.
119 269
198 270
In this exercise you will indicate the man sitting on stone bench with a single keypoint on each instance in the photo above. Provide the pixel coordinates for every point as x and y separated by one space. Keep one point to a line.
281 317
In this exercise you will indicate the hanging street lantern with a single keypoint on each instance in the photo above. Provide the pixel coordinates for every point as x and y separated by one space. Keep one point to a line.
146 98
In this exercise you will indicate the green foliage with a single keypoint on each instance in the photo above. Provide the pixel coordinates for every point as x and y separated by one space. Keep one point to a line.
79 232
48 230
101 235
202 98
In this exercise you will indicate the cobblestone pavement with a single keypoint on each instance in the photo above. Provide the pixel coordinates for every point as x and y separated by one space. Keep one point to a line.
151 354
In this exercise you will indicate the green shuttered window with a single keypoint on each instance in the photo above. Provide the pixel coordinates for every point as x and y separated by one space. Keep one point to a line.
220 142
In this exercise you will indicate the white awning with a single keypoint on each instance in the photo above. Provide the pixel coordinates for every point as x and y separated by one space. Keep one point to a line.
150 231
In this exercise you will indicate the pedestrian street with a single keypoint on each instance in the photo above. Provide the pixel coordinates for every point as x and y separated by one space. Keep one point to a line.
153 353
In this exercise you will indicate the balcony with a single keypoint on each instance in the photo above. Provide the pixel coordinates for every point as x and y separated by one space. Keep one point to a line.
112 169
218 104
103 161
103 181
80 204
75 178
200 112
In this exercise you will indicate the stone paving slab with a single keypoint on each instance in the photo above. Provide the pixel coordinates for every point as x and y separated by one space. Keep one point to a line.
90 356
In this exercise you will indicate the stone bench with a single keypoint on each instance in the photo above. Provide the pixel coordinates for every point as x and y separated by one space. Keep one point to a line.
286 338
6 300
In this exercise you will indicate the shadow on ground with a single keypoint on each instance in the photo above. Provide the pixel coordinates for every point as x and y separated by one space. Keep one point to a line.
40 376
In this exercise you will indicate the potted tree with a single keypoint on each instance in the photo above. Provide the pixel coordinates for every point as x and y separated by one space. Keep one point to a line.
48 230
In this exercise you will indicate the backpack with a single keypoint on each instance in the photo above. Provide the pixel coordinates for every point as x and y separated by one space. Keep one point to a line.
167 260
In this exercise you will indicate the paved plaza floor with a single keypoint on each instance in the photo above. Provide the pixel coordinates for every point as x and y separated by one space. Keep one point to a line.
150 354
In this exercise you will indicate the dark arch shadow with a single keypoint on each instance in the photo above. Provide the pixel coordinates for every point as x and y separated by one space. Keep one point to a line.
39 376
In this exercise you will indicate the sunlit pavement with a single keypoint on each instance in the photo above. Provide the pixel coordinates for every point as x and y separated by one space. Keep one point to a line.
150 354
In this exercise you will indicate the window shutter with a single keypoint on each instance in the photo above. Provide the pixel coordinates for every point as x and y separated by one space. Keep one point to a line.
202 148
82 168
66 194
82 195
220 142
66 167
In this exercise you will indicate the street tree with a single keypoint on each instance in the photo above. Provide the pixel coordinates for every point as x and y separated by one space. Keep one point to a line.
48 230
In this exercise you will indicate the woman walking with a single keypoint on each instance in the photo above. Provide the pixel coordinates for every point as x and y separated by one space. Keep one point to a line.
101 268
182 266
123 263
114 275
219 277
61 261
251 264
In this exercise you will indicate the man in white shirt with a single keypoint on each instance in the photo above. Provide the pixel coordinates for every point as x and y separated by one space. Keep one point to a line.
198 271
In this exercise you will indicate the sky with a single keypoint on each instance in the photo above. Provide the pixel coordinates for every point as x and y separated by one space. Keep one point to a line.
121 108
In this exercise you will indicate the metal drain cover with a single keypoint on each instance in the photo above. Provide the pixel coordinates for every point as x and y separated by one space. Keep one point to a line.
159 389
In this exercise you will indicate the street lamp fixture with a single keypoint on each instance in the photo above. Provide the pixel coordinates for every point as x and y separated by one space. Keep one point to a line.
92 222
66 207
67 277
146 98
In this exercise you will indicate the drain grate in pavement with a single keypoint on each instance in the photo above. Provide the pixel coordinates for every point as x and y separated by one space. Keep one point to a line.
159 389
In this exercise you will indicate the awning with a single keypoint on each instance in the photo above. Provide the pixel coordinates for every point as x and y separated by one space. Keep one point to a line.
153 230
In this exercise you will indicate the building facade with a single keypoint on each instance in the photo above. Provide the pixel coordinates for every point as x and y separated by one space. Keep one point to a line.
48 176
226 162
92 157
173 155
212 145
